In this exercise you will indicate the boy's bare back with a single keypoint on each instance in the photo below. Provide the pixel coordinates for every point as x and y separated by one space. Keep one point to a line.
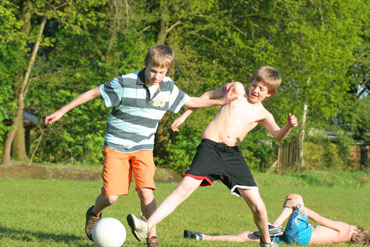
233 121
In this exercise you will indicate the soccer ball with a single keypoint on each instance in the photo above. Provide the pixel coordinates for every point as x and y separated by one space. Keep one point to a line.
109 232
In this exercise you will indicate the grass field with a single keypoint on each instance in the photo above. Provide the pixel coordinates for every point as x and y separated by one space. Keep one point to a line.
52 212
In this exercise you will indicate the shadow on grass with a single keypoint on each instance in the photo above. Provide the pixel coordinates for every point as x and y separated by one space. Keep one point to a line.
41 237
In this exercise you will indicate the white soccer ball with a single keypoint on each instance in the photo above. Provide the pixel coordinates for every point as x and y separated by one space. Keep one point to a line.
109 232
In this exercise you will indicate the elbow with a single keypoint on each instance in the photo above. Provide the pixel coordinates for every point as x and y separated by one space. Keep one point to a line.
189 102
206 95
278 137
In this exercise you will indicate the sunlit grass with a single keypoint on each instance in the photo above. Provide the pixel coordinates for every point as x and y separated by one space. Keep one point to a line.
52 212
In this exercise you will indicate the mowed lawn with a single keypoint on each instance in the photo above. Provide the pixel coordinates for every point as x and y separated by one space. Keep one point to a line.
52 212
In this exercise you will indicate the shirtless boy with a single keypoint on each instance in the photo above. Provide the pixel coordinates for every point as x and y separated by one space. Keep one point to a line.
218 156
298 230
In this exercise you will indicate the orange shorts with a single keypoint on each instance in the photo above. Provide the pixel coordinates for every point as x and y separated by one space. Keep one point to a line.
118 168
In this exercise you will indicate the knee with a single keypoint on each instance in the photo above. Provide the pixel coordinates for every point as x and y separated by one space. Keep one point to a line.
112 199
292 200
145 194
259 209
293 197
184 191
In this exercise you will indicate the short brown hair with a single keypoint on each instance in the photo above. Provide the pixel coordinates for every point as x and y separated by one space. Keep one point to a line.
269 76
362 237
160 55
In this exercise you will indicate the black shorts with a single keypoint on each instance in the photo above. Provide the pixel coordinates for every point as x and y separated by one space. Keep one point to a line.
217 161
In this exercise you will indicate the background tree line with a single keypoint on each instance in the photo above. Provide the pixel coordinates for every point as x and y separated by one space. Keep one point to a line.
52 51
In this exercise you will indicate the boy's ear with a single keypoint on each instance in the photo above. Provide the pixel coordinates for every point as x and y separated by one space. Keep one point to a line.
357 229
269 95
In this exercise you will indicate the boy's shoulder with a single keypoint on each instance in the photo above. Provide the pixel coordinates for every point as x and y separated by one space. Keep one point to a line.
237 89
265 113
168 79
167 84
132 75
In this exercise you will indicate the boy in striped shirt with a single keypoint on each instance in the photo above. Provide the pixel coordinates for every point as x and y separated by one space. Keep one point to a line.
139 101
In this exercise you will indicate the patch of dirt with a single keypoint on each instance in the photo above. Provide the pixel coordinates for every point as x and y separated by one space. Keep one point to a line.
41 172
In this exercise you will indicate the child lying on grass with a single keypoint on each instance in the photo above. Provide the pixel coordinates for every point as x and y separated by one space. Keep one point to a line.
298 230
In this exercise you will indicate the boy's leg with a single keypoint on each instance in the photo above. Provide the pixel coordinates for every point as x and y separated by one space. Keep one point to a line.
183 190
290 203
116 177
148 206
102 202
241 237
93 214
143 166
257 206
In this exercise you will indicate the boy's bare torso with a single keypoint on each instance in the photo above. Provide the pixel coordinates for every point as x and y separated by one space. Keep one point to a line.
233 121
325 235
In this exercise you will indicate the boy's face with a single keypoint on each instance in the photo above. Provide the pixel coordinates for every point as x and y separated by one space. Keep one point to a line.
257 92
154 74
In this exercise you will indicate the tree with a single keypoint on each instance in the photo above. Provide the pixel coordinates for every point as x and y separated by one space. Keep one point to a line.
9 61
33 34
317 43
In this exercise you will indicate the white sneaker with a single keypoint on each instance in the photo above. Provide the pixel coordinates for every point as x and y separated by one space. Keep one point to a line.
271 244
139 228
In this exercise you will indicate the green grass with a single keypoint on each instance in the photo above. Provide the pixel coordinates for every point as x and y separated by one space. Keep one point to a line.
52 212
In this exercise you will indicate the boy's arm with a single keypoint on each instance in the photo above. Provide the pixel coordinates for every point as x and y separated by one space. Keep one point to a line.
214 94
209 99
86 96
277 132
335 225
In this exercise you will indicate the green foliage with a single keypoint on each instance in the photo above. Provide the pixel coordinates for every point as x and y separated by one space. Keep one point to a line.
8 56
319 47
322 154
11 59
361 118
182 149
259 149
343 147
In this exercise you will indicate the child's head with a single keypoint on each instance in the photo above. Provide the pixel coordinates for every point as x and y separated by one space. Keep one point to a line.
360 236
159 56
269 76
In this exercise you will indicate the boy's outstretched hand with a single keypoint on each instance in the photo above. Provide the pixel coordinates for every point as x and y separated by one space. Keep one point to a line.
292 120
228 98
178 122
53 117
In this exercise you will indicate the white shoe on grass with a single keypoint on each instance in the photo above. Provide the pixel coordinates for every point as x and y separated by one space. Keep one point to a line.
271 244
139 228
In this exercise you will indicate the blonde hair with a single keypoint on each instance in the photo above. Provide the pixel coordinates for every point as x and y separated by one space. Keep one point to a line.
269 76
362 237
160 55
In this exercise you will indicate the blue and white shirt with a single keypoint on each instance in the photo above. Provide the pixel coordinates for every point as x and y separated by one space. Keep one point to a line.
133 122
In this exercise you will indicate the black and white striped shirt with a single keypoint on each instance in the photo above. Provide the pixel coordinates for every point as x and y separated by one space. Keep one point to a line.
134 119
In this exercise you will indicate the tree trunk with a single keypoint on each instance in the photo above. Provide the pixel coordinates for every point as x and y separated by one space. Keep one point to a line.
301 164
21 96
18 149
19 145
116 10
162 34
